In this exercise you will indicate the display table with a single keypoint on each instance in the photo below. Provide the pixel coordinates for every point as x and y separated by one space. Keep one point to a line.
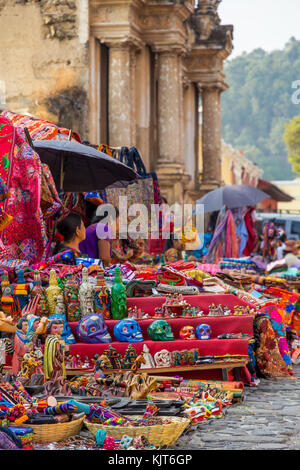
211 347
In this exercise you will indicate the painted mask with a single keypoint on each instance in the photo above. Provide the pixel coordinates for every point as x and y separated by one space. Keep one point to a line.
187 332
92 329
203 331
160 330
128 330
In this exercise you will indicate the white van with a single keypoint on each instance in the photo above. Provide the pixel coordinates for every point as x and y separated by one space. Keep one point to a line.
289 222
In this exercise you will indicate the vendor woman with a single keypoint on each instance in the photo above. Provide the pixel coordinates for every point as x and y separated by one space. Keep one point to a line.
70 232
98 241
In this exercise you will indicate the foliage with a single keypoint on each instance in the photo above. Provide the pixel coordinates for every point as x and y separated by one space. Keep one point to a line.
259 103
292 140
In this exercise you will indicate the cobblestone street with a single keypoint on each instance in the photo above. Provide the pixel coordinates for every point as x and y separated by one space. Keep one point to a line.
267 419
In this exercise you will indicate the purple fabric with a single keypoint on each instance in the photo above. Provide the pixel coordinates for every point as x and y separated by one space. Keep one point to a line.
89 246
220 228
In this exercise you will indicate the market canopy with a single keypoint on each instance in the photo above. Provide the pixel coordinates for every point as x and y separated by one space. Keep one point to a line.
80 168
238 195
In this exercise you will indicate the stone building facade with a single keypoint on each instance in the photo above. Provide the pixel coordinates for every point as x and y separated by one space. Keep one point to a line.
124 72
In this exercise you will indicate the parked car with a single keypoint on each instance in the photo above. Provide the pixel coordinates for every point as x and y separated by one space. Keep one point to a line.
289 222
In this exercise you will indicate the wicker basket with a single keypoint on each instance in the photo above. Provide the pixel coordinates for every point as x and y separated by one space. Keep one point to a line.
55 432
159 435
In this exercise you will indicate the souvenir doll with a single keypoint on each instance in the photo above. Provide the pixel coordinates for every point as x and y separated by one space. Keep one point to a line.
71 296
38 289
86 294
54 352
21 344
52 292
102 296
60 313
149 361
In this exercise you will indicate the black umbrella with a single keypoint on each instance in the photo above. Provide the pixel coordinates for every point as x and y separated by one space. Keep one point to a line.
238 195
80 168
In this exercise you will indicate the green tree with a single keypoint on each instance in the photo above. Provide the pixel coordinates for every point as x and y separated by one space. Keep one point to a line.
292 139
259 103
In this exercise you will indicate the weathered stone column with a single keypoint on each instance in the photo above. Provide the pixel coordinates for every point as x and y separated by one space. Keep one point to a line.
211 137
121 94
170 165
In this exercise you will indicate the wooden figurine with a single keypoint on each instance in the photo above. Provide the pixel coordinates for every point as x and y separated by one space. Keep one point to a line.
102 296
86 294
38 289
129 357
71 296
52 292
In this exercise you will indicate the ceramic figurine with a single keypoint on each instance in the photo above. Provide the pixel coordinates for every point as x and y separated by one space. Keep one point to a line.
212 310
149 361
137 363
160 330
86 294
21 344
60 314
118 297
33 323
71 296
92 329
226 310
21 290
7 299
102 362
38 289
52 292
54 352
102 296
203 331
176 358
129 357
128 330
114 357
163 358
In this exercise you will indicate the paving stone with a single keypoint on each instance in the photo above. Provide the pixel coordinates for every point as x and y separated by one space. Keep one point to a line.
267 419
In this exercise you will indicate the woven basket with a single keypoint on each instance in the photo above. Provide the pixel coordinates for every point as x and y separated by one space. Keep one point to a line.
55 432
159 435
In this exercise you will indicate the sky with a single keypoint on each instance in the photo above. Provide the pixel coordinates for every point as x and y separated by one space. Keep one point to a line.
267 24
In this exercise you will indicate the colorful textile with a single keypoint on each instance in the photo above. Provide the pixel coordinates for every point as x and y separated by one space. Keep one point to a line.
24 204
38 129
252 234
268 358
224 242
280 332
287 303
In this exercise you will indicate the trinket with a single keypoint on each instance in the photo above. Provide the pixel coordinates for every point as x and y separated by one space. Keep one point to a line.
187 333
52 292
86 294
203 331
128 330
92 329
102 296
160 330
163 358
71 296
118 297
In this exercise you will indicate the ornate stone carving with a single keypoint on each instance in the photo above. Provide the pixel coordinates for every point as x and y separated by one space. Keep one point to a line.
205 19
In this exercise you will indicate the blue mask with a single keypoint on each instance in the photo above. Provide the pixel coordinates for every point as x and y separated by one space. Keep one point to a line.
92 329
128 330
